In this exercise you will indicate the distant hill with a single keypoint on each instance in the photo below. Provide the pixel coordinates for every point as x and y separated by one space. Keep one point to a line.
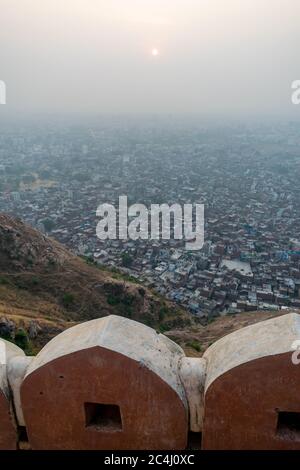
44 289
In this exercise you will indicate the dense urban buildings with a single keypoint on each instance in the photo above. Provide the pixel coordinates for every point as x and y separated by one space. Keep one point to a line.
55 174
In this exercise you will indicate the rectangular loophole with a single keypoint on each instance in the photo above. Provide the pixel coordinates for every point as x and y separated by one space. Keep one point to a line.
288 425
194 440
102 417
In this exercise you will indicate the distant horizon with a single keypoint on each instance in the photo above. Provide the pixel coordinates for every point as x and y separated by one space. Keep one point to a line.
212 118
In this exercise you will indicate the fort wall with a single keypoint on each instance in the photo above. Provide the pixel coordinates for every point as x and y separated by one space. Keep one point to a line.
114 384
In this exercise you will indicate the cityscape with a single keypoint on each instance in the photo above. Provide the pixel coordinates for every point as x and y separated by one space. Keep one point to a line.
54 175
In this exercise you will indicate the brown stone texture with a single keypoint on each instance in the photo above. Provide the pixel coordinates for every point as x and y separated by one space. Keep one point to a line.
255 405
8 432
57 397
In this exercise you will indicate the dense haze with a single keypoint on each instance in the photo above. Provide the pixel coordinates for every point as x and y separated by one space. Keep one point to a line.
228 57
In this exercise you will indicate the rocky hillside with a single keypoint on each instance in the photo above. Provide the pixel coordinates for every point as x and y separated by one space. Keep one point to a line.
44 289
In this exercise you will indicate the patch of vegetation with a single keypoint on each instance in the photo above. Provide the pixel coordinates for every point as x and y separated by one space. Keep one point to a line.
163 311
34 281
29 262
7 336
194 344
124 277
20 283
112 299
21 339
89 260
162 328
49 224
127 311
68 299
128 299
115 272
117 295
127 260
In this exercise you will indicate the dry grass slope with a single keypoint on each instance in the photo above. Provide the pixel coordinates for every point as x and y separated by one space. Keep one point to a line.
41 281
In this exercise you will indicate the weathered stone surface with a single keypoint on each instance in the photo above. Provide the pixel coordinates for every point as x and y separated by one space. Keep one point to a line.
252 389
106 384
16 370
34 329
8 429
193 374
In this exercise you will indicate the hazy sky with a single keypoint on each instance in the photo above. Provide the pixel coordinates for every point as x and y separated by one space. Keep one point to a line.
214 56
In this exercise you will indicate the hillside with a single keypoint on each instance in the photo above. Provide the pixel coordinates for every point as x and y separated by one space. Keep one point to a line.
44 288
196 339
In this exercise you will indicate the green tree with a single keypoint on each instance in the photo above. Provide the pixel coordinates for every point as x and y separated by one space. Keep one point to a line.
49 225
127 260
68 299
21 339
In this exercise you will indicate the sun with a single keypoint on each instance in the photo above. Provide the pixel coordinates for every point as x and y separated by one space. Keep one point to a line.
154 52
